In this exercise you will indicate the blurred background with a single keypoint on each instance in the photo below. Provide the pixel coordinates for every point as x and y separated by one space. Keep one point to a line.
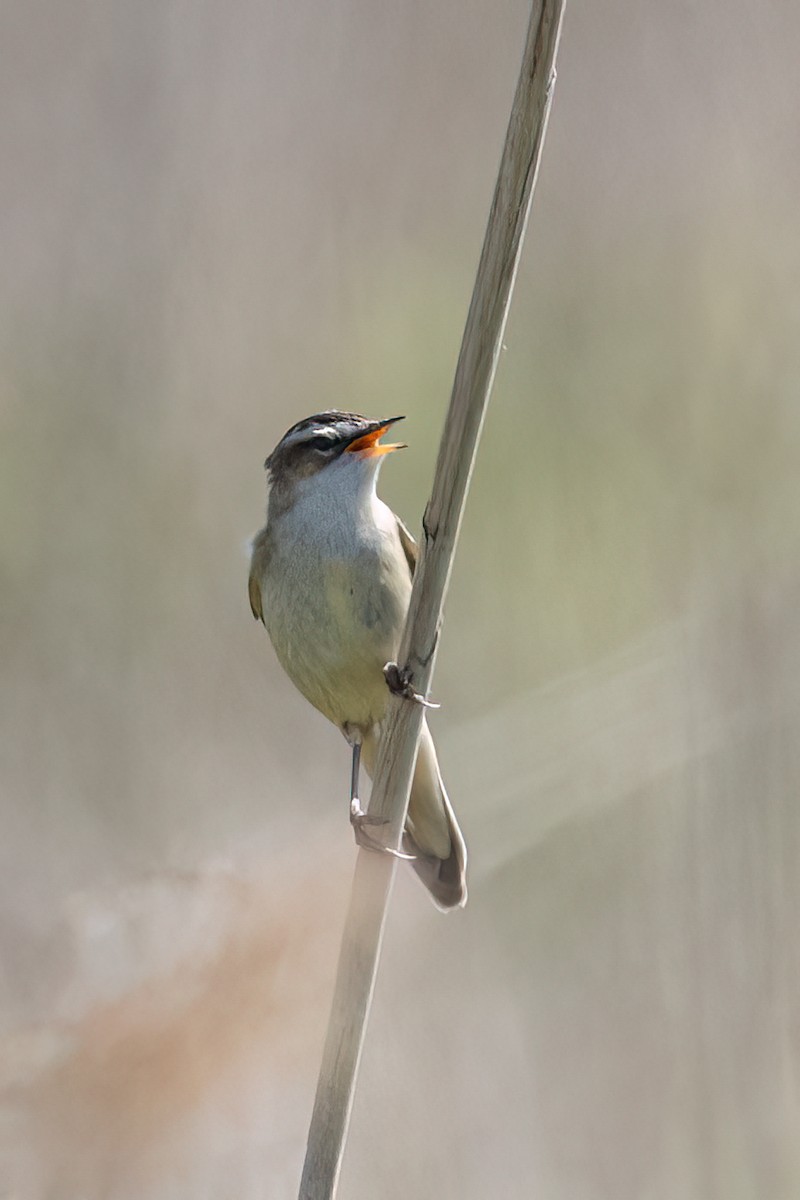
217 220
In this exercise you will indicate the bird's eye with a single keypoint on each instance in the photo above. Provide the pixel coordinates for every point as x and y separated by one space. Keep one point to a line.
318 443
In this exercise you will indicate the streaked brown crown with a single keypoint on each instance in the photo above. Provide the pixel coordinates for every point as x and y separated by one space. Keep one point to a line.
315 441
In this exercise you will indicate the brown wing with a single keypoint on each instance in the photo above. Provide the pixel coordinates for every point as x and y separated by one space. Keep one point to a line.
410 547
258 562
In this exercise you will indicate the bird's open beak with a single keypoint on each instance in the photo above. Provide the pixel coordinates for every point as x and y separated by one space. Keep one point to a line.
367 444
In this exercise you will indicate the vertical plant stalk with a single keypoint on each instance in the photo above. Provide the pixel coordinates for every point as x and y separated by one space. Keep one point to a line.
477 364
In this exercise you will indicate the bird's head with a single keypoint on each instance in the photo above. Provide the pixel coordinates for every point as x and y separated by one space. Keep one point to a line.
343 442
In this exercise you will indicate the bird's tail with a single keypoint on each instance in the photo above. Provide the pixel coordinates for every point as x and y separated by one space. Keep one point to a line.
431 833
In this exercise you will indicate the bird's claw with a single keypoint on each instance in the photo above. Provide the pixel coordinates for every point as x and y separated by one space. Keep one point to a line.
358 819
398 680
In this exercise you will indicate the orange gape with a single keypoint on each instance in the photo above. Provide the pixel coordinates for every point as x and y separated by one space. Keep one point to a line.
370 442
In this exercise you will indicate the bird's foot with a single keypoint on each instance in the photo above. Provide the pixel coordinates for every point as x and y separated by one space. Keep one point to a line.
358 819
398 680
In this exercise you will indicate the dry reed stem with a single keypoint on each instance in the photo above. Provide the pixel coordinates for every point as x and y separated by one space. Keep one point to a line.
477 364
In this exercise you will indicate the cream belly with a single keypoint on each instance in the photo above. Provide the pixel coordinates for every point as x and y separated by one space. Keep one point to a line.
335 614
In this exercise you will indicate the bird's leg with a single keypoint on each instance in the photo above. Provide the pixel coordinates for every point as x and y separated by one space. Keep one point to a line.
359 818
398 680
357 813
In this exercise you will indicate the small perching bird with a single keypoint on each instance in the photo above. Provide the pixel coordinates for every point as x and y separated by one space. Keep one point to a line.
330 577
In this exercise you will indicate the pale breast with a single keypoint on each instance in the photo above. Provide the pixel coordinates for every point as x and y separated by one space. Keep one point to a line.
334 608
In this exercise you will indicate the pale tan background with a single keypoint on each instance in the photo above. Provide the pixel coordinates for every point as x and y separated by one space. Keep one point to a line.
215 220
